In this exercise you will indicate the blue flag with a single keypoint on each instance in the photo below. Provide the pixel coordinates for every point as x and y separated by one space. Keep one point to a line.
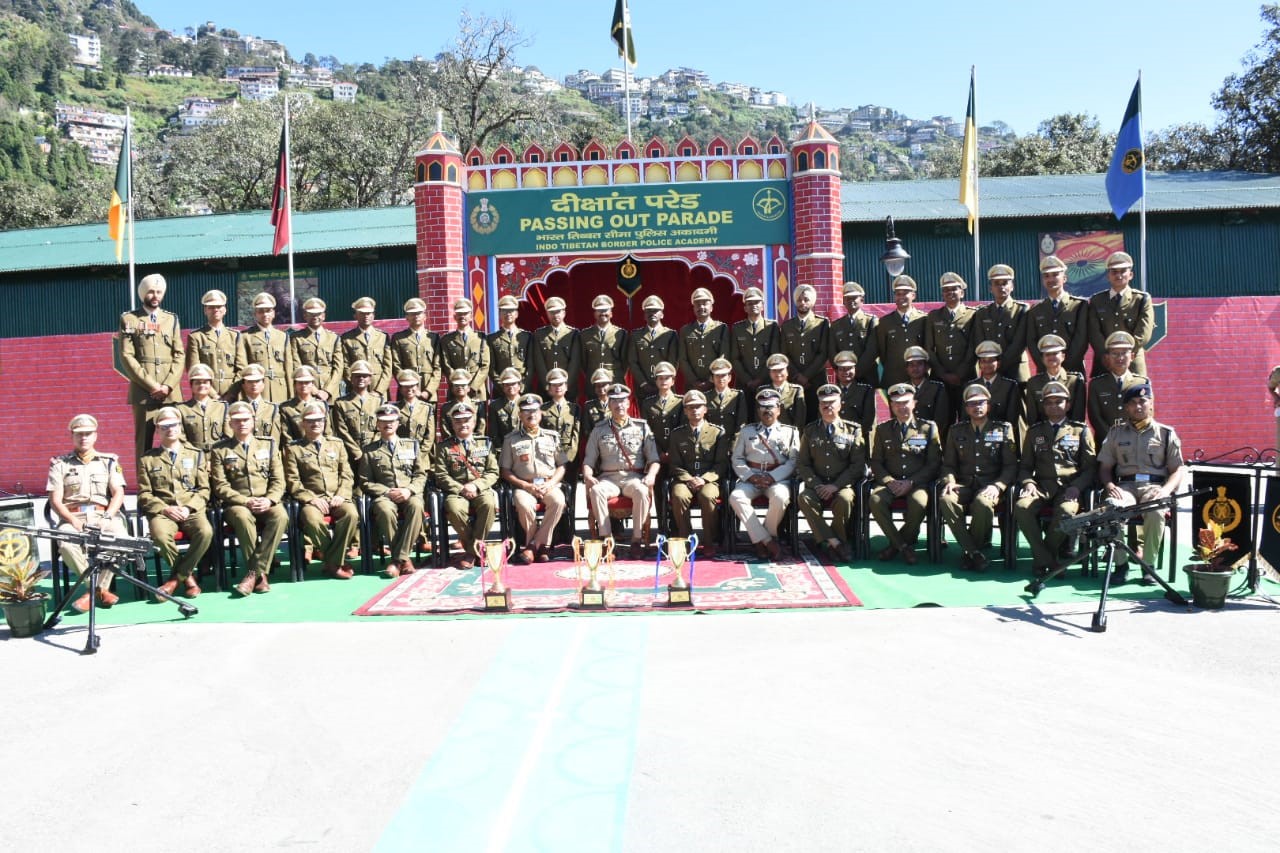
1127 177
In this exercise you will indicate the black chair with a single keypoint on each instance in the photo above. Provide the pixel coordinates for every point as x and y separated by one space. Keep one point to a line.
932 520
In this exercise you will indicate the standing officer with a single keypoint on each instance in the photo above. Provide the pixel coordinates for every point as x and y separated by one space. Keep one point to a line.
792 409
1058 465
806 341
466 470
265 345
152 355
726 407
948 340
417 416
596 409
764 459
510 346
86 489
173 493
702 341
533 461
664 411
318 348
898 331
978 466
355 415
321 481
266 415
504 409
213 344
832 461
754 339
621 459
649 345
563 417
391 473
931 402
1140 460
604 345
1061 314
905 460
1052 349
557 344
1006 397
366 342
1120 309
204 416
1105 389
699 466
416 348
1004 321
857 400
465 349
290 412
855 332
247 479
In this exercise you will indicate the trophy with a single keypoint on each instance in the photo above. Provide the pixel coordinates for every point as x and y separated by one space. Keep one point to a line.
494 554
679 591
592 552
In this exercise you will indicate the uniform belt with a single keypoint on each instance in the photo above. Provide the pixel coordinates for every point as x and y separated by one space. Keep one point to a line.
762 467
1154 479
622 471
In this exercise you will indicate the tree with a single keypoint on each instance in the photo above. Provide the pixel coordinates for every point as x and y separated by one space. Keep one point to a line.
1066 144
1249 104
210 58
230 163
1187 147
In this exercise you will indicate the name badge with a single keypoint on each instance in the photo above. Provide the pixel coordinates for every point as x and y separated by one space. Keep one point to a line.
230 459
263 453
996 436
188 463
406 454
1070 443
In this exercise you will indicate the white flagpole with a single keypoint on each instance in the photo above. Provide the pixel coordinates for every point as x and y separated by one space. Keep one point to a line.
128 202
288 205
626 61
1142 211
977 219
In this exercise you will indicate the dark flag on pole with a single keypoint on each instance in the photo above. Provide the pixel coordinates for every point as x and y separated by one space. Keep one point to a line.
620 32
629 276
1269 549
1229 504
1127 177
280 198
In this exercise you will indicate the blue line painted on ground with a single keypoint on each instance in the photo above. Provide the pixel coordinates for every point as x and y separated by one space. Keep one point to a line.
540 757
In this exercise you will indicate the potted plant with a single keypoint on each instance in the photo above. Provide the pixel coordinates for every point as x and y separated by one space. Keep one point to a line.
1210 575
23 603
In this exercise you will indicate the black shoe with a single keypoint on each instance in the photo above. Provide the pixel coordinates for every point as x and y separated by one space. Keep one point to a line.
1119 575
966 562
1147 580
979 561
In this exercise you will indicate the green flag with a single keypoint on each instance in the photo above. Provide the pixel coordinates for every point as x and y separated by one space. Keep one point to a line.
621 32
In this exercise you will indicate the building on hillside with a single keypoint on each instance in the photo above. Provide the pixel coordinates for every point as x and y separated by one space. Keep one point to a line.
196 112
97 131
88 50
168 71
345 92
262 88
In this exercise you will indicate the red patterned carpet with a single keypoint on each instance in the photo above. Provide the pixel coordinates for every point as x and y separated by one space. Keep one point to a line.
551 587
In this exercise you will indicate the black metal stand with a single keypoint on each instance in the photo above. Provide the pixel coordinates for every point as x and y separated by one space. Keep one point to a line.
1114 536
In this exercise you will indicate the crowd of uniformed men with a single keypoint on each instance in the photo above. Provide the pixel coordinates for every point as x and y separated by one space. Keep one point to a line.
309 414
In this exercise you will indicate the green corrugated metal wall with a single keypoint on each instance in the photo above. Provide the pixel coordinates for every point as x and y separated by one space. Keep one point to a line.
54 304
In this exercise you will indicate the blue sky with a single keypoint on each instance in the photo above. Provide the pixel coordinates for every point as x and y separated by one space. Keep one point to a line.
1033 60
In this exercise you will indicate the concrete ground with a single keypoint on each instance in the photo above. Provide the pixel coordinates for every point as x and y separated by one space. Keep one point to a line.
926 729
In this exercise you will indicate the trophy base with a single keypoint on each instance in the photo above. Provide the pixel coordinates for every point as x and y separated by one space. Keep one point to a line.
679 596
497 601
591 599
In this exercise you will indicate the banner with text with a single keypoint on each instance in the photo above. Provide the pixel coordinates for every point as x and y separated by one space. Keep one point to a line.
643 216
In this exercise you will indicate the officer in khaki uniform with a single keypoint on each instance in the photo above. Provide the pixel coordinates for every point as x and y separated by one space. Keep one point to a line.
1121 309
793 409
247 479
855 333
857 400
265 345
417 348
417 416
1052 349
621 459
355 415
557 344
504 409
898 331
563 417
948 339
664 411
649 345
204 416
173 493
391 472
978 466
832 461
532 461
86 489
604 345
461 391
1140 460
321 481
290 411
366 342
152 356
1061 314
1273 390
320 349
905 460
464 348
806 341
266 415
932 403
214 343
510 346
466 470
764 460
699 466
1058 465
702 342
596 409
754 339
1105 389
1006 397
1004 321
726 407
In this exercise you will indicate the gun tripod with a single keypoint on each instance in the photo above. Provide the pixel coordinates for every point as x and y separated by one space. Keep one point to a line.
1113 536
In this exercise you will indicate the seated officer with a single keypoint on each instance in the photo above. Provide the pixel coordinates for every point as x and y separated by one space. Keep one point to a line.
173 493
905 459
320 480
833 458
247 478
663 411
466 470
792 408
391 473
699 466
532 461
1140 460
978 465
1058 464
726 407
764 459
857 399
621 459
